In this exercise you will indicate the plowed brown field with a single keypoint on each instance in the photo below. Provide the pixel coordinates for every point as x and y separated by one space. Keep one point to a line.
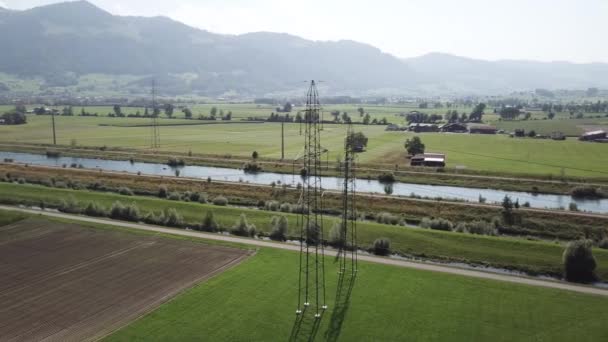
64 282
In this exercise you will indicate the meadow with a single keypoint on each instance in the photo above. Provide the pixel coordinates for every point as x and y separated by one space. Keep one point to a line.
485 153
512 253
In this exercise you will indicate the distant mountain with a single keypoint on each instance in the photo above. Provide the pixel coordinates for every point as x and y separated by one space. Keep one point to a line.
80 38
61 42
471 75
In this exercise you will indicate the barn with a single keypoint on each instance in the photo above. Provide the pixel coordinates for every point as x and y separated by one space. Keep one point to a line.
593 136
428 159
454 127
481 129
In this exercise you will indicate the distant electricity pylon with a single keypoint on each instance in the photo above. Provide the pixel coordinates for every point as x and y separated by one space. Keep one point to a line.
311 277
155 141
348 226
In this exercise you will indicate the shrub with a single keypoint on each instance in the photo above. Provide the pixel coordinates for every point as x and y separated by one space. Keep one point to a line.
386 218
272 206
151 218
437 224
336 238
173 218
386 178
202 197
174 196
194 196
220 200
573 206
482 199
279 226
285 208
382 246
579 263
209 223
21 180
125 191
163 191
53 154
313 234
481 228
128 212
251 167
242 227
94 209
585 192
299 209
70 206
176 162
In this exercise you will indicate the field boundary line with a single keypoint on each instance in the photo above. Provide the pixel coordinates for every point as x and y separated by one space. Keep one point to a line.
373 259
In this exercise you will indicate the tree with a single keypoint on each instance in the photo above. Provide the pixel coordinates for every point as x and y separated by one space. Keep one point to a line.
254 155
361 111
551 115
464 118
382 246
509 113
228 116
187 113
507 210
345 118
477 113
279 226
414 146
366 119
14 118
213 112
117 111
579 263
146 112
357 141
287 107
209 224
242 227
336 115
169 108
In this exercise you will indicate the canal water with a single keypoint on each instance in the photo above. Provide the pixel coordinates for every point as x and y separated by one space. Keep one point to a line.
330 183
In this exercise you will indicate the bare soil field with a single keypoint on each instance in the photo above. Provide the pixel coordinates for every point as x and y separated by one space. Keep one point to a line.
65 282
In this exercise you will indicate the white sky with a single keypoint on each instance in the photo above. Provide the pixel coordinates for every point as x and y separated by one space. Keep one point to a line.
546 30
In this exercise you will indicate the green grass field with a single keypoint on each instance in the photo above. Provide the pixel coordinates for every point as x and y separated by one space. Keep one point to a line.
256 300
532 256
493 153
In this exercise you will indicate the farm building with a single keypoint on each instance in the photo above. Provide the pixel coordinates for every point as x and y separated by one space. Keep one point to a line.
520 133
558 136
454 128
394 128
423 127
428 159
481 129
593 136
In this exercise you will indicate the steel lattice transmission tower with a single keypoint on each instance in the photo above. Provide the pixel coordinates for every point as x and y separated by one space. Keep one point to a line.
155 138
347 252
311 278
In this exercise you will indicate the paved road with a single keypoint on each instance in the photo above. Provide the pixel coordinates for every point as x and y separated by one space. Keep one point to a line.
368 258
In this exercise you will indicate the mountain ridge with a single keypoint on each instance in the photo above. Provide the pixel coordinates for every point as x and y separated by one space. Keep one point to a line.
77 38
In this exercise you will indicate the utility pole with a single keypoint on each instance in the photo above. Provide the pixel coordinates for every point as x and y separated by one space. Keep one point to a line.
283 140
53 123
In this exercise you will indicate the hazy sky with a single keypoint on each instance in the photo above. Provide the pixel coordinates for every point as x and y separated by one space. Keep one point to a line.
547 30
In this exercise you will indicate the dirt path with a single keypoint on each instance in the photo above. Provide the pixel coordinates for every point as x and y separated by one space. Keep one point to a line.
373 259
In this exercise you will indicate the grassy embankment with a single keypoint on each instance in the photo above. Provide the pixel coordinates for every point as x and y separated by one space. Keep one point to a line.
545 224
530 256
